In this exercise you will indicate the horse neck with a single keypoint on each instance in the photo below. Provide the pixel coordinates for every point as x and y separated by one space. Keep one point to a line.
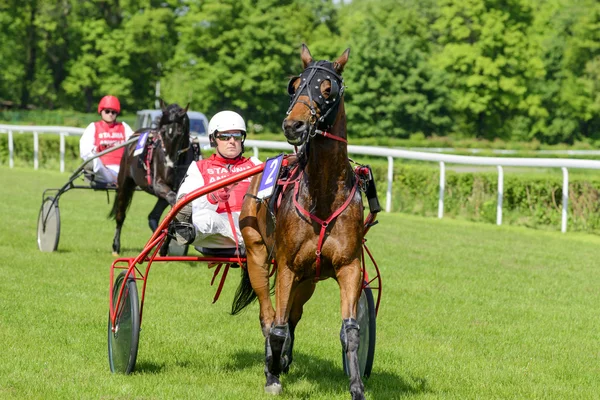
327 168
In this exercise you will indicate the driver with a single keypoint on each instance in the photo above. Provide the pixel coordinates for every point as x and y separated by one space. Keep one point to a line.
205 222
101 135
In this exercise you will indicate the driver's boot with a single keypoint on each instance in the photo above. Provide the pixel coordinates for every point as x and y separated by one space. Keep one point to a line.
183 228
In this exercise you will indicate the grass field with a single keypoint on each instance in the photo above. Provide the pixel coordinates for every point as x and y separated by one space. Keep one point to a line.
469 311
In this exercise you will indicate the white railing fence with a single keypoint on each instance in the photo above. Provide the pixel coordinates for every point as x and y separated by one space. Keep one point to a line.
391 154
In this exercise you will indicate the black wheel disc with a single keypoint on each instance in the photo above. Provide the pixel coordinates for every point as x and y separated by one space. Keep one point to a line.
48 228
366 321
123 342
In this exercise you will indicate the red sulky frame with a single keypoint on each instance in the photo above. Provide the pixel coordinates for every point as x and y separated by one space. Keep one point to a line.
149 253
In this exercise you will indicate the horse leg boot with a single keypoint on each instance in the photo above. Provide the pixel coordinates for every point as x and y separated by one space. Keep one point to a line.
276 355
349 336
303 293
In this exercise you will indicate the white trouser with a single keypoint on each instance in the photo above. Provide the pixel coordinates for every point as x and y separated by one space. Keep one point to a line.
105 173
213 230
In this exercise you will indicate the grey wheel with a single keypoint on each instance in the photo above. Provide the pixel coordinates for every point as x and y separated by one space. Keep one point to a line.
123 342
48 228
366 322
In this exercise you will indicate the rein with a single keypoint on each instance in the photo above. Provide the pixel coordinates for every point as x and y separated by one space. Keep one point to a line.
331 136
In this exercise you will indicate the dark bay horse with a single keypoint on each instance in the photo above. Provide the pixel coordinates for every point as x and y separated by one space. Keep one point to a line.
157 171
317 231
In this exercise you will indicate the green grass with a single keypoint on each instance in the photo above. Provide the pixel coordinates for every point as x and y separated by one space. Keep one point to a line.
469 311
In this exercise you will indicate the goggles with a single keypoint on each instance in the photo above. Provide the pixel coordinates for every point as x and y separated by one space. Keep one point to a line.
226 136
106 111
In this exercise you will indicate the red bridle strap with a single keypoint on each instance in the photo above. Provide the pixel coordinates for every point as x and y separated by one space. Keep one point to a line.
324 224
328 135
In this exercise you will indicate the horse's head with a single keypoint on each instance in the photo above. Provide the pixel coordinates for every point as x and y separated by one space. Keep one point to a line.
174 126
315 97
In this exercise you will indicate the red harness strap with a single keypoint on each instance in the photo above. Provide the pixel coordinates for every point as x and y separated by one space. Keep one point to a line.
285 183
147 162
324 224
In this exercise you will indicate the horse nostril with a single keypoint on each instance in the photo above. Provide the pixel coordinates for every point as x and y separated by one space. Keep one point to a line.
299 126
294 125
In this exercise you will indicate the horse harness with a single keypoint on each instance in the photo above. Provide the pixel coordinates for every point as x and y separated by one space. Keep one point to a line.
312 77
155 140
291 174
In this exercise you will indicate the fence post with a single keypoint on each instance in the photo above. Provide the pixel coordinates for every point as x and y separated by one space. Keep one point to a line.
11 150
500 195
565 199
442 186
390 179
36 147
255 151
62 152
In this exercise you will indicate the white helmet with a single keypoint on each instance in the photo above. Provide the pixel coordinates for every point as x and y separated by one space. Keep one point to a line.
225 121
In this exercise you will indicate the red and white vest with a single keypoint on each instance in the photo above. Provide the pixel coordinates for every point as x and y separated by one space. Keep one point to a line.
216 168
108 135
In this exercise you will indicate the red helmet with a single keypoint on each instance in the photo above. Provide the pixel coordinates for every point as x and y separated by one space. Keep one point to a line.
110 102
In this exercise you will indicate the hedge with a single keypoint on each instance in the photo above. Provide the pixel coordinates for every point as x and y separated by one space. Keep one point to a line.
530 199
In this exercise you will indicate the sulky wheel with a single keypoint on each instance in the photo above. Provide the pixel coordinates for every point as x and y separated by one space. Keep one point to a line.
123 342
48 228
366 321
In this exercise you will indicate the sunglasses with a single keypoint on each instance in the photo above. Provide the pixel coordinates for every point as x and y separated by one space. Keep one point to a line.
113 112
226 136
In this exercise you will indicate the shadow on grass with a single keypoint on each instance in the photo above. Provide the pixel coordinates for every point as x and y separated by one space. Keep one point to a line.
330 376
148 368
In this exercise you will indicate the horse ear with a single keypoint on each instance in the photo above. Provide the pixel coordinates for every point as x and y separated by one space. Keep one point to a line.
183 111
163 106
340 63
305 55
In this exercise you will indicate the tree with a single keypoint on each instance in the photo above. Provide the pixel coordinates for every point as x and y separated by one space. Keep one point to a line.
392 89
568 34
238 55
492 66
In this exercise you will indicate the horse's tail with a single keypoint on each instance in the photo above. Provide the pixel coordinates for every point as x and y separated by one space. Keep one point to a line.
244 295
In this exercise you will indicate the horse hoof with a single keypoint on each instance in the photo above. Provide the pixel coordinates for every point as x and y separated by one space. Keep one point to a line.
115 254
274 388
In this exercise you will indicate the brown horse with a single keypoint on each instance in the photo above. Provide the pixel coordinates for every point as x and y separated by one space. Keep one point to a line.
317 231
168 148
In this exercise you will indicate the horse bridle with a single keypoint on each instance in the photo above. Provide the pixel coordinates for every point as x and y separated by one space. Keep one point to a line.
163 131
312 77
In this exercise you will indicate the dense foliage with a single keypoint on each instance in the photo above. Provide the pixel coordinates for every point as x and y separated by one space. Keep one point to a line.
487 69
